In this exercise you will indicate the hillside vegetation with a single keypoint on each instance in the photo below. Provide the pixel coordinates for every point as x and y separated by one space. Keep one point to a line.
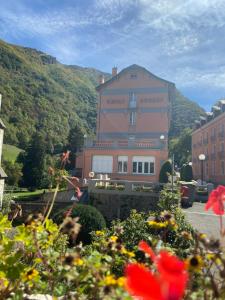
39 93
10 152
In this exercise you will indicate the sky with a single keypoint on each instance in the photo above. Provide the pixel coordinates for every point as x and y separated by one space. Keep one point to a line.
182 41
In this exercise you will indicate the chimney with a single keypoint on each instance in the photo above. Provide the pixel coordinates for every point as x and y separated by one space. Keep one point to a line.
101 79
114 71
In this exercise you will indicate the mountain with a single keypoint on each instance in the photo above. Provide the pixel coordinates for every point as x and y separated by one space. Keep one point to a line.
39 93
184 113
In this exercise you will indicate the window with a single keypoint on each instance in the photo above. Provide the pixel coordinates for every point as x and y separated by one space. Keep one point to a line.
122 164
143 165
132 118
132 100
102 163
133 76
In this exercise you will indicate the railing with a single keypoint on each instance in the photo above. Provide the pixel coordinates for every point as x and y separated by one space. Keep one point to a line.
123 186
124 144
132 104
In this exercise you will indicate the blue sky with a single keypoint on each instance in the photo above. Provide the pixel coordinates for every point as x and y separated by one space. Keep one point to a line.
180 40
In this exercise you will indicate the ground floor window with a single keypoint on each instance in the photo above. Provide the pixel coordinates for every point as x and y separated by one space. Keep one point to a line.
122 164
102 163
143 165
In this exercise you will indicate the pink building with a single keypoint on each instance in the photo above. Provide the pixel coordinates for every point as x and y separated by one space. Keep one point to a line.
133 117
208 138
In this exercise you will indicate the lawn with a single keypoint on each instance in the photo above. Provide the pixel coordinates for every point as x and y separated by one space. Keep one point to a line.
10 152
25 195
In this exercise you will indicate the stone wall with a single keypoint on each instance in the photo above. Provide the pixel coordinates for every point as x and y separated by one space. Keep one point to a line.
111 204
114 206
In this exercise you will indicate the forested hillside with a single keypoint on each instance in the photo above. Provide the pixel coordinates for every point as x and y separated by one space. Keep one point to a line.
184 113
39 93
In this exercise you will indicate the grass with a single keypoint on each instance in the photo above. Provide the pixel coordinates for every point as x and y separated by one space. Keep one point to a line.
10 152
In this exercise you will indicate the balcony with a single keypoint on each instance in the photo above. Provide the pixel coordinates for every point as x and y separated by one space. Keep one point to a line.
132 104
126 144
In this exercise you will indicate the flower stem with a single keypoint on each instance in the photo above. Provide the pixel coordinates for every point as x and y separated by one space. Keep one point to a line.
53 201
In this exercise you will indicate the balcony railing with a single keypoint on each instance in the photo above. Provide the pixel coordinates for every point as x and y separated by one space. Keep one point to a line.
125 187
132 104
129 144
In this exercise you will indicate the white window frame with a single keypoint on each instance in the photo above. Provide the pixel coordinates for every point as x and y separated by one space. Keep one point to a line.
142 163
132 118
122 164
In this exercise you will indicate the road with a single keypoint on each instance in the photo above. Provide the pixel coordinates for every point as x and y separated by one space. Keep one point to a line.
203 221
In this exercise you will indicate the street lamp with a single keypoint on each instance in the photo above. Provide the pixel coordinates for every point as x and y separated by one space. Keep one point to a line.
201 158
84 146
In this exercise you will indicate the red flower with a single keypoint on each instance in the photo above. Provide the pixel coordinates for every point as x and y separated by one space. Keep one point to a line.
168 284
145 248
216 199
140 282
171 270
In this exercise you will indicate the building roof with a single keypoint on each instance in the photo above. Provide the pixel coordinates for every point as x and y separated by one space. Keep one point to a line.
130 68
2 174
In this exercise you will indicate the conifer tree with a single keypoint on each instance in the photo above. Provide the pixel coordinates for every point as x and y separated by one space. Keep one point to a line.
34 162
165 171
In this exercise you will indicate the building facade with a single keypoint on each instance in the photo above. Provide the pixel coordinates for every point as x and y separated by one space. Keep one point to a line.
133 119
208 138
2 173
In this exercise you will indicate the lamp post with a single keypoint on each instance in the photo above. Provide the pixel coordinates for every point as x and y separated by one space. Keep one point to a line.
201 157
84 146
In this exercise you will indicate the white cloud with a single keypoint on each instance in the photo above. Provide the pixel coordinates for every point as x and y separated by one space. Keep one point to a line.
192 77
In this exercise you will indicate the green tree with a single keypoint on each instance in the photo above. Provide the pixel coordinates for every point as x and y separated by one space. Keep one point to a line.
34 162
165 171
181 147
13 171
75 143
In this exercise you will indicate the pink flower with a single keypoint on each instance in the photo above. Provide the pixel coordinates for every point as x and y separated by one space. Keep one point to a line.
216 200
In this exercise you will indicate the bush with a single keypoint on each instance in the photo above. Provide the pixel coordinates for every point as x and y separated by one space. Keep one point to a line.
169 200
89 218
165 170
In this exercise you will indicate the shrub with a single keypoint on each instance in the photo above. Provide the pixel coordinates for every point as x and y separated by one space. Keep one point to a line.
169 200
165 170
89 217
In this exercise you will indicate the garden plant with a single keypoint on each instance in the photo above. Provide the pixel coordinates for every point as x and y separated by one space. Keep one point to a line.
148 256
